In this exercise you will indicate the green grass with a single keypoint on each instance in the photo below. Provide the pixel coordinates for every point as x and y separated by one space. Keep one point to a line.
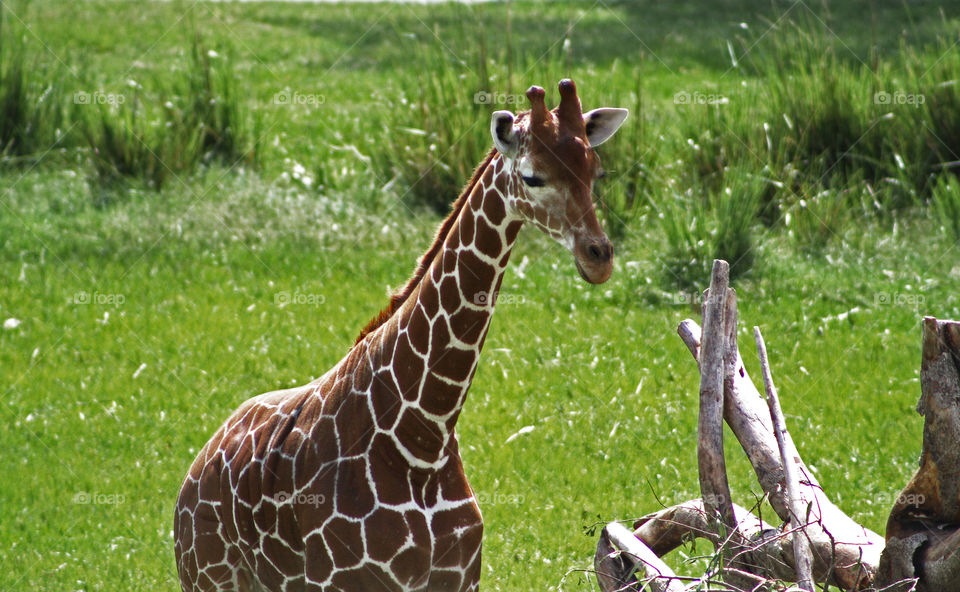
150 310
190 290
31 107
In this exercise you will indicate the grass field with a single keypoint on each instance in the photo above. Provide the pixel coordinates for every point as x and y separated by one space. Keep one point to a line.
157 289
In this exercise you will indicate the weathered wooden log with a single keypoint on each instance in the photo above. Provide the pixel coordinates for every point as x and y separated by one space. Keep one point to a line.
620 554
922 548
664 531
762 550
748 417
923 530
714 488
845 553
615 571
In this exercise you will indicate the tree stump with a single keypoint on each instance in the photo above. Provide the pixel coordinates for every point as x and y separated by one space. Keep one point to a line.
923 531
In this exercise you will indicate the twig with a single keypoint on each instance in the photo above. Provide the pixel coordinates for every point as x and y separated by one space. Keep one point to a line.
801 546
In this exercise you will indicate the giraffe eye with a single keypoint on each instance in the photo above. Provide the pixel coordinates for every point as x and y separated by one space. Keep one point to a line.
533 181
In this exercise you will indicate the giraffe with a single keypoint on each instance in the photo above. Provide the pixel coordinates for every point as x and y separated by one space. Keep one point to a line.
354 481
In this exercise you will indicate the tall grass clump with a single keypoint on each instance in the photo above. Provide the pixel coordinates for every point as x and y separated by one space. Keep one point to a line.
211 106
834 140
131 142
438 126
150 136
840 123
630 161
31 99
700 225
817 105
939 82
438 116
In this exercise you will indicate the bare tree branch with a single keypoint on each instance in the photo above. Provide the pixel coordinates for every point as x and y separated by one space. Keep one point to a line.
819 541
749 418
801 546
714 487
765 552
659 576
844 551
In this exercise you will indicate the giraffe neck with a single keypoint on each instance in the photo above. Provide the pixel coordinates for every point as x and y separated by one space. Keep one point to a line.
440 329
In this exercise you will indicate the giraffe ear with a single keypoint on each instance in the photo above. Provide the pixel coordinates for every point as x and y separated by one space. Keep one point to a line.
602 123
504 136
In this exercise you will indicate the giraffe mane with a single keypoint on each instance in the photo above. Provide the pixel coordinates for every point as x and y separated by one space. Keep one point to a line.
423 264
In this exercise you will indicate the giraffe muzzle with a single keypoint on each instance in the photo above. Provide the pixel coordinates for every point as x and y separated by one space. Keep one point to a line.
594 259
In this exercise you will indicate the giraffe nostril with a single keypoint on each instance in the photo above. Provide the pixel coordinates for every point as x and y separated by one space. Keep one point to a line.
600 252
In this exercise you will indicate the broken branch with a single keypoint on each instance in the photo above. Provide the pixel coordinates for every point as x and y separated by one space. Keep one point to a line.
714 486
801 546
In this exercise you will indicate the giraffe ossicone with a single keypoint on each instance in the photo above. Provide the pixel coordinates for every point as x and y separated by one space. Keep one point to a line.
354 481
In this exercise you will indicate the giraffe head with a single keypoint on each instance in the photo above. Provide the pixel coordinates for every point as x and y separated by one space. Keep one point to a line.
551 166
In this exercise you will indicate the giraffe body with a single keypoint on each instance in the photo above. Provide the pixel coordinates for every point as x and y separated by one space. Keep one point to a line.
354 481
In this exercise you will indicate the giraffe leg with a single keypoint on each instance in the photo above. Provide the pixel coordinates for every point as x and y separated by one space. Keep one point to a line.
471 577
205 561
216 565
458 566
185 547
